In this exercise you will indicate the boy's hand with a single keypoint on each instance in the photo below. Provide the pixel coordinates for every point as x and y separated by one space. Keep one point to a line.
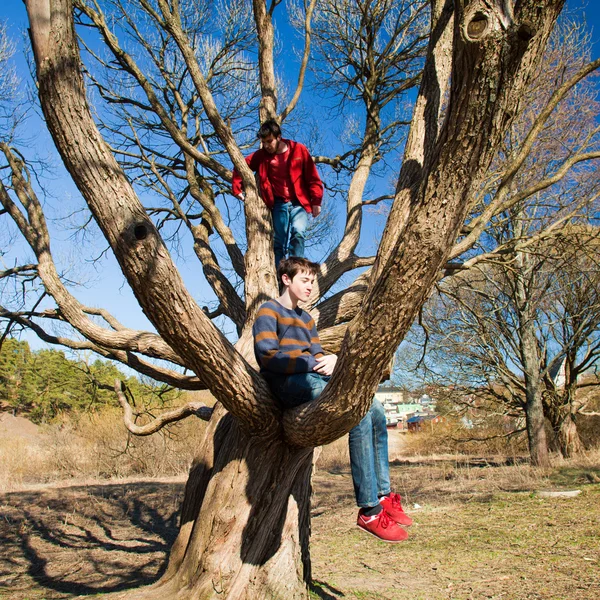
316 210
326 364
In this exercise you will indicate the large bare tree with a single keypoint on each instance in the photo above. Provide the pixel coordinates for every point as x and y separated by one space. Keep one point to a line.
498 335
245 517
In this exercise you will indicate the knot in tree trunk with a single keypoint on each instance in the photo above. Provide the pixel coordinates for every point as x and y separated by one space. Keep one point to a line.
484 17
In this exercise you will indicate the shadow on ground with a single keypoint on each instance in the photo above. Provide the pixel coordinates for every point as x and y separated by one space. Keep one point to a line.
85 540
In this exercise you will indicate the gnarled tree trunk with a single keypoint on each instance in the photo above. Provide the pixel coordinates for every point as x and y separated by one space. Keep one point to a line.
568 437
245 519
562 419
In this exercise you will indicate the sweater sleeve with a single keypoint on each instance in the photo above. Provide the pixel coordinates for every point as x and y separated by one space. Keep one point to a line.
267 351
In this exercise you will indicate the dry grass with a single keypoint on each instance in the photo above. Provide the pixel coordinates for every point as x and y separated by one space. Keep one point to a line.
480 532
96 446
334 457
451 437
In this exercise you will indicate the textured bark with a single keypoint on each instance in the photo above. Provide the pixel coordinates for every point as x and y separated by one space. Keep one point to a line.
488 75
244 529
266 37
530 359
536 434
561 413
568 437
137 245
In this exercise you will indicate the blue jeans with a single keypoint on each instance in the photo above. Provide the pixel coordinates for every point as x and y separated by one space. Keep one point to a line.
290 220
368 441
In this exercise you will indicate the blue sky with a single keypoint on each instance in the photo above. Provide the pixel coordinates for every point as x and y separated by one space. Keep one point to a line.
106 286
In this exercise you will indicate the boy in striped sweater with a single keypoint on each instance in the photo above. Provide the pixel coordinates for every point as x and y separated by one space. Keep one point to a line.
288 351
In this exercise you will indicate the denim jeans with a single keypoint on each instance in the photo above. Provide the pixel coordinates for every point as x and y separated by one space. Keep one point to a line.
368 441
290 221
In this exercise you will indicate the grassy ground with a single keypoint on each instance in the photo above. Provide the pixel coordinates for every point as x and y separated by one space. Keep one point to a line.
482 532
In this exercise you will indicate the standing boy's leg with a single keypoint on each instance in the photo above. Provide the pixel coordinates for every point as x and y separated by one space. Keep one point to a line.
371 476
362 463
390 501
380 448
281 225
298 225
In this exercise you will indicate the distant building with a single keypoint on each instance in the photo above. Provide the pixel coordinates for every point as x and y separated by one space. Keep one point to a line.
399 407
417 422
389 395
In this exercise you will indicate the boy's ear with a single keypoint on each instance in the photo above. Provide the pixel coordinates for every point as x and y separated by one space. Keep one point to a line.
285 279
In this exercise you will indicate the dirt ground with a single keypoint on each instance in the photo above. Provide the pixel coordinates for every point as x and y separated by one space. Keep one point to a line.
480 532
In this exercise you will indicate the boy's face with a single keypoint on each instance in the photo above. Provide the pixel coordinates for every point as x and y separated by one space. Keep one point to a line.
300 286
270 143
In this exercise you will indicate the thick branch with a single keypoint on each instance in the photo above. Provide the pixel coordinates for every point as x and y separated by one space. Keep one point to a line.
168 376
266 66
36 233
28 269
292 103
487 76
133 237
260 271
502 201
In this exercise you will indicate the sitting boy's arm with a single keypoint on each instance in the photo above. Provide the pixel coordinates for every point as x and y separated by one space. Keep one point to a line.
267 351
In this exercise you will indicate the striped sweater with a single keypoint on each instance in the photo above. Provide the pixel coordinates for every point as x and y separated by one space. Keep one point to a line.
285 340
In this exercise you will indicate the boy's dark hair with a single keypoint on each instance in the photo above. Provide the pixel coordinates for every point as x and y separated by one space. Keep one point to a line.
293 265
270 127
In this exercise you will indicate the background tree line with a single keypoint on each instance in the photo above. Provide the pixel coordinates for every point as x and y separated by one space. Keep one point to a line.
45 384
514 327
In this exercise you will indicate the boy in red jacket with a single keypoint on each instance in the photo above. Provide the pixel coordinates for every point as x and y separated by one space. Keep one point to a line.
289 185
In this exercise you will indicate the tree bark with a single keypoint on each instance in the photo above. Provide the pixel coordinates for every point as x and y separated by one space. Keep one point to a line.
530 359
245 527
561 415
245 518
568 437
536 433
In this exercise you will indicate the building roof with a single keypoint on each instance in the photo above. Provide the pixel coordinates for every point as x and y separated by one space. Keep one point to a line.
419 418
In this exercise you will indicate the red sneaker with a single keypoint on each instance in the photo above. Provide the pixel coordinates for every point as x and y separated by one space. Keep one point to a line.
391 505
381 526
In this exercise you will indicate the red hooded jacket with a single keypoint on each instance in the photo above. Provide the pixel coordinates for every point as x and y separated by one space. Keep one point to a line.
303 172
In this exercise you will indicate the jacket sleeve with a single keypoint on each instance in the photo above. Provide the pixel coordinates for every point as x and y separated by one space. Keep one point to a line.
236 182
312 179
266 347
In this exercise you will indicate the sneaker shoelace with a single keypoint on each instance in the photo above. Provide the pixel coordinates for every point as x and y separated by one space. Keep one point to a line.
384 519
395 498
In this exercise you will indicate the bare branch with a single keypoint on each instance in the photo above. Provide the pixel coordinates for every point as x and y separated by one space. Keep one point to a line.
306 54
197 409
168 376
378 199
27 269
488 437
